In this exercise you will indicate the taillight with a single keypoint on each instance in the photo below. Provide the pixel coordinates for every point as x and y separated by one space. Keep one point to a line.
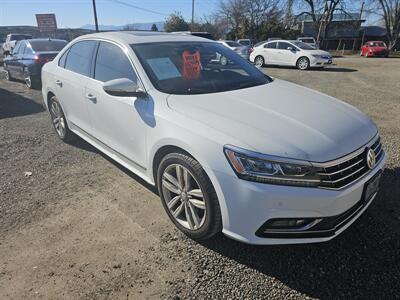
43 60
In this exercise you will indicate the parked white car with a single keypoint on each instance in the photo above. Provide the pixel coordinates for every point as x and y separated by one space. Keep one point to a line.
230 149
309 41
11 41
289 53
242 50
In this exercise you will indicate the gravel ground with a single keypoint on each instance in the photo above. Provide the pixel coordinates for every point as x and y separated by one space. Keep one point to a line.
83 227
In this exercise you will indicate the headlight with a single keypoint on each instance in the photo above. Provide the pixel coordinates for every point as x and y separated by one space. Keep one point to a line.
269 169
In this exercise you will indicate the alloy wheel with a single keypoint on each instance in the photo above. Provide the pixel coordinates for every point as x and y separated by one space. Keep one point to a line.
184 197
58 119
303 63
28 80
259 61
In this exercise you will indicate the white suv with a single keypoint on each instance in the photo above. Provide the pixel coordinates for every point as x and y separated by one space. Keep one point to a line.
11 41
264 161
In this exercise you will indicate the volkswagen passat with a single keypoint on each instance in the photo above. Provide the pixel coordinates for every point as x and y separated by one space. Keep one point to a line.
230 149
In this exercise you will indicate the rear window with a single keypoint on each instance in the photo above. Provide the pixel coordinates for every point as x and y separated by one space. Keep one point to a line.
309 41
42 46
233 44
79 58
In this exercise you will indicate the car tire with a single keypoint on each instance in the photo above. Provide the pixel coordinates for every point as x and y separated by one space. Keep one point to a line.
303 63
259 61
188 196
59 121
31 82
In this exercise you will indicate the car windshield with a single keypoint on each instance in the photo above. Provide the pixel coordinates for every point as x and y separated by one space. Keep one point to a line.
245 42
233 44
42 46
302 45
196 67
377 44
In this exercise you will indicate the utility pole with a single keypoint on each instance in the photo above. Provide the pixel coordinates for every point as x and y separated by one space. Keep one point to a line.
192 12
95 15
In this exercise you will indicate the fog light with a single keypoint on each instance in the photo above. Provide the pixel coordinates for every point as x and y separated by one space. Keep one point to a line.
290 223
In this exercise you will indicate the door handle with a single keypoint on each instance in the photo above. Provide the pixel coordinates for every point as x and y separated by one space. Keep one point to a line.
59 83
91 97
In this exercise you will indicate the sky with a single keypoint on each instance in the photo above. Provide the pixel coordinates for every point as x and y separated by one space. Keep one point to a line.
75 13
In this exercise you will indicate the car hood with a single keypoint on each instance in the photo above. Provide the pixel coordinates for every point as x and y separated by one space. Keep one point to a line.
282 119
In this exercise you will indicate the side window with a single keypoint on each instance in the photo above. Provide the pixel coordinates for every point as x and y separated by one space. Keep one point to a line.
283 45
79 58
63 58
28 50
271 45
22 48
112 63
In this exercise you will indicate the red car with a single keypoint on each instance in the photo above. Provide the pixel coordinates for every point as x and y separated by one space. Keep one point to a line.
375 48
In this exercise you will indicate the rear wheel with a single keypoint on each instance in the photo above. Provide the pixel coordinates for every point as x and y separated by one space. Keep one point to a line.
188 196
31 82
59 121
259 61
303 63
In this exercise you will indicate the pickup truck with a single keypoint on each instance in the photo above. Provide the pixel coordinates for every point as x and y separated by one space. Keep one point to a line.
12 39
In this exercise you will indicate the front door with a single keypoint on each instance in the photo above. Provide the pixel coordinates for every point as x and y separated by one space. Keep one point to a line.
117 122
286 56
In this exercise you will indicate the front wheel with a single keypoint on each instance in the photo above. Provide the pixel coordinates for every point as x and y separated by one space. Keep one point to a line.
303 63
188 196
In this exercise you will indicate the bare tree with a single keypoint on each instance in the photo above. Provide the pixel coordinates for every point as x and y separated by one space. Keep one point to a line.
389 11
321 13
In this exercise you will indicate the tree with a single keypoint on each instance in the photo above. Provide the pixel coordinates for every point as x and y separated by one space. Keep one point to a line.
154 27
321 13
389 11
175 22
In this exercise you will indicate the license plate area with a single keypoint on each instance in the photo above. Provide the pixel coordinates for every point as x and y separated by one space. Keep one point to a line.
372 186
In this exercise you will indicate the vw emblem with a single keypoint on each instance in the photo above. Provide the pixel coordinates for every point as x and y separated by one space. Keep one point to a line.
371 159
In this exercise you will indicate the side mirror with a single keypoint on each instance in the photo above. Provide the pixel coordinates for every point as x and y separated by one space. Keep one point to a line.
290 48
123 87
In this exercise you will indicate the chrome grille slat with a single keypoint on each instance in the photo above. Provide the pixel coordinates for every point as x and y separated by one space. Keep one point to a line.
342 170
349 168
345 177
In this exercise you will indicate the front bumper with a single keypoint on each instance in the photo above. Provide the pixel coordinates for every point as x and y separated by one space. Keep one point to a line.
319 62
249 205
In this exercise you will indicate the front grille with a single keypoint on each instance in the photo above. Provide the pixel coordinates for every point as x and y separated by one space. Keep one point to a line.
342 172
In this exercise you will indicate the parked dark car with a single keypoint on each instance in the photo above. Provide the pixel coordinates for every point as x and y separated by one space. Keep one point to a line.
28 57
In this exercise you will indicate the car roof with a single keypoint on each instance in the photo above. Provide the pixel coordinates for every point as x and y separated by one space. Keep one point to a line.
45 40
139 37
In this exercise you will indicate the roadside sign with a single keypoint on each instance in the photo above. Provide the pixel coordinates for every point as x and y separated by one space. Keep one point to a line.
46 22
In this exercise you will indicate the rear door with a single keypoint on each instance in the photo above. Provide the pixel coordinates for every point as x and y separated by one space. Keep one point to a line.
270 53
118 122
74 70
19 62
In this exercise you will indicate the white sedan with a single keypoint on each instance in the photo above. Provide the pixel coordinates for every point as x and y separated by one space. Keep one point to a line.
230 149
289 53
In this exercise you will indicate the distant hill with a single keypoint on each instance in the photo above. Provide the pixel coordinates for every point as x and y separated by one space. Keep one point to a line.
62 33
134 26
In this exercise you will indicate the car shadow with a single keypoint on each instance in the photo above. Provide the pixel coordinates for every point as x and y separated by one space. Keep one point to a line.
15 105
317 69
363 262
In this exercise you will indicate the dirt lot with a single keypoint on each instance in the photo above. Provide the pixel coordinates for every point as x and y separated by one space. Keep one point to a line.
83 227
